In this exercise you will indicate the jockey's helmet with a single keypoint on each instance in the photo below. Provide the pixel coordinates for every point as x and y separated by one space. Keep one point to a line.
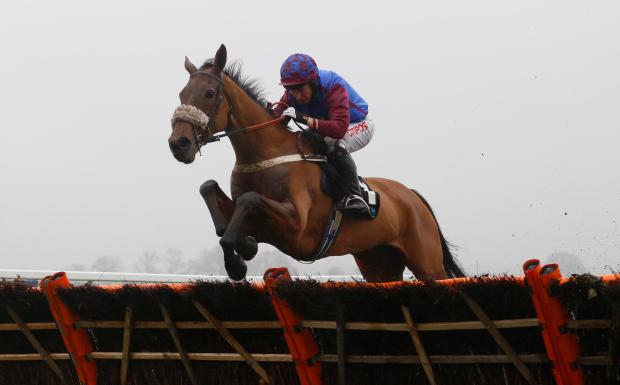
298 68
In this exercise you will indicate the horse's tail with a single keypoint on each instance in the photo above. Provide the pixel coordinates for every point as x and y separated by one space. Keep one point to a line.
452 267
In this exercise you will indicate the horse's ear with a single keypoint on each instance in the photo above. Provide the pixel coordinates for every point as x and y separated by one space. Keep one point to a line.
220 58
191 68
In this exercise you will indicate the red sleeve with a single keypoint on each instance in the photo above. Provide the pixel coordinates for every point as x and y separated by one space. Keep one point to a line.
279 109
337 102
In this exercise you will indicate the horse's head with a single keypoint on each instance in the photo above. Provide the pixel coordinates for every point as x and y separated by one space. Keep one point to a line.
204 108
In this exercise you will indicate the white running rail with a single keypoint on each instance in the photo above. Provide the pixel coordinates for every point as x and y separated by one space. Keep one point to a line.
97 277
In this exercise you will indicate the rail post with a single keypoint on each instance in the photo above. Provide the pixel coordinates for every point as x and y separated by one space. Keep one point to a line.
560 342
76 340
301 343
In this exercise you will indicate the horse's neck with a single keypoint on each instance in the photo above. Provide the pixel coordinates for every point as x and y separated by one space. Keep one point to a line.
260 144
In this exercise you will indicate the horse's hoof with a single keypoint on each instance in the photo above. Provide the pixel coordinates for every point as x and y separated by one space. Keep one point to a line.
247 248
235 267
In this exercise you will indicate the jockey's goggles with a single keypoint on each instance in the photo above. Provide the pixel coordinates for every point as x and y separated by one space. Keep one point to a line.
293 87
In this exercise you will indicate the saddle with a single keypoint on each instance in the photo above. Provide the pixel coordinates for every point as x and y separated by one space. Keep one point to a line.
330 179
332 186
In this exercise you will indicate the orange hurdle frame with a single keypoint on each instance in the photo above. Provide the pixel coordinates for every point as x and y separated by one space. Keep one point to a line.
300 341
561 342
76 340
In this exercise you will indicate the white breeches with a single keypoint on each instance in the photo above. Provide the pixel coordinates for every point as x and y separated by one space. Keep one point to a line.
358 135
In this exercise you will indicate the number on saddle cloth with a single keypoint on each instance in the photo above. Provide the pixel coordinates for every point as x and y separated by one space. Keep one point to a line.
372 198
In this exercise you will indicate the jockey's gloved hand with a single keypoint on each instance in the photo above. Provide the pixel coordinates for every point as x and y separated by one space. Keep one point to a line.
295 115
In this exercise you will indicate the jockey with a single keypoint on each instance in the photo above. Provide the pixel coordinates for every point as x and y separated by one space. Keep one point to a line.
325 102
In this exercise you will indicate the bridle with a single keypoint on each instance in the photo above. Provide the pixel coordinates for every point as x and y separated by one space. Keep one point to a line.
203 124
200 137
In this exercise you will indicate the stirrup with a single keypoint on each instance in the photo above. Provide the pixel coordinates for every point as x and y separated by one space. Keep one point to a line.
353 198
348 207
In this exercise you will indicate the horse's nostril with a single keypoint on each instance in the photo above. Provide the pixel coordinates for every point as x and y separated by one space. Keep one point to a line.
180 144
172 145
183 143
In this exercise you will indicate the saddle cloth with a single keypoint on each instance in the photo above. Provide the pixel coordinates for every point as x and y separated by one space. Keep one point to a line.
372 198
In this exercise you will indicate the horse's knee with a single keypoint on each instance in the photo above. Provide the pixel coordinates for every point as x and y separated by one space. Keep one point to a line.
250 200
208 187
227 242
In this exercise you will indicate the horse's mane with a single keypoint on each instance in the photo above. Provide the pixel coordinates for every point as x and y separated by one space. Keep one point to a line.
252 87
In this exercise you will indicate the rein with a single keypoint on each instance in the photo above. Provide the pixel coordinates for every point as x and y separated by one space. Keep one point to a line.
200 120
217 137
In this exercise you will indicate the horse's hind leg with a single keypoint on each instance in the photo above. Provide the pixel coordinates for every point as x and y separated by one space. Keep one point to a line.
423 251
381 264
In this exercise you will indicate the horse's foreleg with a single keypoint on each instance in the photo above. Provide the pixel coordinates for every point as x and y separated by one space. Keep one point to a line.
278 215
222 208
220 205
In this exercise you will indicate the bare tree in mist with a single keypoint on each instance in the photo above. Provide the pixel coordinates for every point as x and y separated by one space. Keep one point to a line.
208 262
77 267
148 263
105 264
211 262
173 262
267 259
569 263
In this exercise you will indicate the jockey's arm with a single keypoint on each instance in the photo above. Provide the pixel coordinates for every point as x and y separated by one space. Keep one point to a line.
280 107
337 102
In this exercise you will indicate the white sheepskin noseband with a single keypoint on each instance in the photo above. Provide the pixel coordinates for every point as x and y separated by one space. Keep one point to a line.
190 114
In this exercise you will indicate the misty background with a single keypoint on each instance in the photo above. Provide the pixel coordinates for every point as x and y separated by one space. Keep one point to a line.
504 115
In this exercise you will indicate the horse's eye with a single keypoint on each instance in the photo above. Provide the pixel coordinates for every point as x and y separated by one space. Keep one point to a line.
210 94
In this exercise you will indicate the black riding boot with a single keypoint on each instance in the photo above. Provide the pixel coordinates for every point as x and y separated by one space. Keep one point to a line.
353 204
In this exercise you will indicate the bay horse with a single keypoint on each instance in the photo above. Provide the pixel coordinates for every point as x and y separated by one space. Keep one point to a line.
282 204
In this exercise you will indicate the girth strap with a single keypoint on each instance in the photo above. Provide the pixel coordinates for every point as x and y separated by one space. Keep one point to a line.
329 237
267 163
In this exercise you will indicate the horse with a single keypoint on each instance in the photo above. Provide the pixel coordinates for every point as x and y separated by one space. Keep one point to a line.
279 201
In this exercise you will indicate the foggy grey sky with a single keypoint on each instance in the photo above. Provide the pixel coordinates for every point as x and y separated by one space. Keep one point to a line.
504 115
